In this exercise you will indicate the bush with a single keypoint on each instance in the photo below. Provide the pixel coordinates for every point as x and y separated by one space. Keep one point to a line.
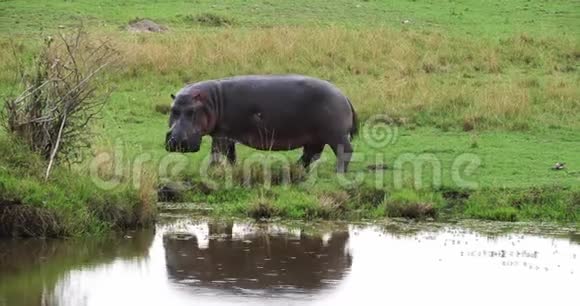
60 96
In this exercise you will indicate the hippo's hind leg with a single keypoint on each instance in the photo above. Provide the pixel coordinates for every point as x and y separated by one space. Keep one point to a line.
342 148
223 146
311 154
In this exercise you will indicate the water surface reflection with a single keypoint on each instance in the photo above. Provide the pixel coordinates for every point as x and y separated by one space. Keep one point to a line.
256 259
203 262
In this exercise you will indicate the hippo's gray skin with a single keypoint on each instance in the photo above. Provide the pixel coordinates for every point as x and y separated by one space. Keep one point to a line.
265 112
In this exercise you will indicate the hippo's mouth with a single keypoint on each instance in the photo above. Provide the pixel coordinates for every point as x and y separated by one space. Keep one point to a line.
181 148
172 145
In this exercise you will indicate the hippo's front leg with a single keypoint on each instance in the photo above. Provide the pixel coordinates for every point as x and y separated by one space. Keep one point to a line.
225 146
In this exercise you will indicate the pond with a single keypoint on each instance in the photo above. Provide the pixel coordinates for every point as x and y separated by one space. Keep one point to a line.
188 261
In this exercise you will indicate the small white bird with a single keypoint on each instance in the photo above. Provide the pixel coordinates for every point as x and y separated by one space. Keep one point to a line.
559 166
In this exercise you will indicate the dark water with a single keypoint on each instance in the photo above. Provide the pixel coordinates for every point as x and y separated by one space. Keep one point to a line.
208 262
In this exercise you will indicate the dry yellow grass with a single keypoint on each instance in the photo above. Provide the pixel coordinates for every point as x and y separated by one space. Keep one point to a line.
146 210
428 77
414 77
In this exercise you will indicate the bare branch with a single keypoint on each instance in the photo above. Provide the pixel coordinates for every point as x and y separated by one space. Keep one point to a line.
55 149
61 96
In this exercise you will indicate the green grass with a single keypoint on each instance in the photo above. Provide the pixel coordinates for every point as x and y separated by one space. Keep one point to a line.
491 82
68 204
507 159
468 16
513 180
547 203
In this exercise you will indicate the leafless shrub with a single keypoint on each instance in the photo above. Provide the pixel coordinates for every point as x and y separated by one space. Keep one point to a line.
61 96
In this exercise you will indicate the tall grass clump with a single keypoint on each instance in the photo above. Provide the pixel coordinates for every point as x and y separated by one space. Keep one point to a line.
413 204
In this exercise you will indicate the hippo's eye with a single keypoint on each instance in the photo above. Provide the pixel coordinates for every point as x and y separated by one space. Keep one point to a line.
175 113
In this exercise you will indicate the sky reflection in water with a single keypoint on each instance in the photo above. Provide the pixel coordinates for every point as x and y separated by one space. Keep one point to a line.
219 263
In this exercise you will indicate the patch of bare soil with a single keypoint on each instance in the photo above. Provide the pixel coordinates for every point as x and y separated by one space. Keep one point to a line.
145 26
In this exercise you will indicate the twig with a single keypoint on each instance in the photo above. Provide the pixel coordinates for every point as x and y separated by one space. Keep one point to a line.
55 149
21 97
86 79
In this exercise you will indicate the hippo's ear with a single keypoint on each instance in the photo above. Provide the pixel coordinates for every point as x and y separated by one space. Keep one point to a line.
172 97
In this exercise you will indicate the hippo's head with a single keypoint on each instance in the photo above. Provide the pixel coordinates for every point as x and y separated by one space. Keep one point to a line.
190 119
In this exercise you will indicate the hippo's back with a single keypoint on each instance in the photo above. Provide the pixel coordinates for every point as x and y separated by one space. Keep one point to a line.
290 109
295 89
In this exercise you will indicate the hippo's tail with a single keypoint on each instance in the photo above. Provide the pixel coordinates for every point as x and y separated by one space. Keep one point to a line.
354 128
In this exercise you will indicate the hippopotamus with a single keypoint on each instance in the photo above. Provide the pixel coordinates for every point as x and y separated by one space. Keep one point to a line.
265 112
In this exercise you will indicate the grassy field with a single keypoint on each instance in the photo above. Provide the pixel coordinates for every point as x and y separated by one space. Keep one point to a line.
490 18
487 92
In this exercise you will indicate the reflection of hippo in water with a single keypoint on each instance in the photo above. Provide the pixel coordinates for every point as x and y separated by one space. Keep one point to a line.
258 260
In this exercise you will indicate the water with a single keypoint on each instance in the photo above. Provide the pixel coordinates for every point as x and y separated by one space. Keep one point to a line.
208 262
